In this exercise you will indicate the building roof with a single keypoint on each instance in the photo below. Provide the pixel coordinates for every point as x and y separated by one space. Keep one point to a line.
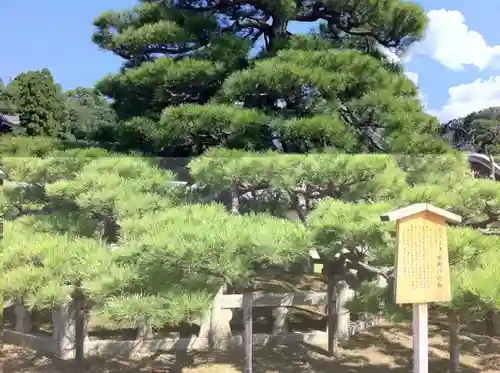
482 164
10 120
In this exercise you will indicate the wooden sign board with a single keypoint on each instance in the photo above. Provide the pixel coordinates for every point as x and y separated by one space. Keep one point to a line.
422 268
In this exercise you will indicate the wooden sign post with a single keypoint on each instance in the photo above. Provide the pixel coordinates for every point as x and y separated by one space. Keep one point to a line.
422 270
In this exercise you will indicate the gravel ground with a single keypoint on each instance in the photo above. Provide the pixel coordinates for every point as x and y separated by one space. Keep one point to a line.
383 349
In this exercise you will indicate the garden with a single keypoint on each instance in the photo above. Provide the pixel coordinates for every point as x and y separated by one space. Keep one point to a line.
143 255
220 197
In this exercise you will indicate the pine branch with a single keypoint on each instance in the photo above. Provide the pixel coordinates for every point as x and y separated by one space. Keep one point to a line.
385 272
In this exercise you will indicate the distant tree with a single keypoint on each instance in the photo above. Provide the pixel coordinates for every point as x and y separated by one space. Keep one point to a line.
88 116
39 102
479 130
7 104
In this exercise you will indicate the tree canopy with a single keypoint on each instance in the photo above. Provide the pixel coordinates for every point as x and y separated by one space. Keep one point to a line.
88 116
138 246
479 131
46 110
7 105
37 99
232 73
120 234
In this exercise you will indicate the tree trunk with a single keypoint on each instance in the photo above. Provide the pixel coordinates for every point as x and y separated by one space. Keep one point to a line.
332 315
248 332
277 32
79 317
144 330
235 200
492 167
454 343
489 323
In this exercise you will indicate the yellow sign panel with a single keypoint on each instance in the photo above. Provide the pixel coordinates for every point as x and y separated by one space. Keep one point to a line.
422 267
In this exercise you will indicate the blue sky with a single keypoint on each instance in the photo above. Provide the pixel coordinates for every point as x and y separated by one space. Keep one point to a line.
456 66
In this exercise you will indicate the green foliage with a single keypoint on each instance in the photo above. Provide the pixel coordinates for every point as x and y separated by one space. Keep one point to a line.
38 146
299 94
481 281
479 130
329 175
39 102
27 147
7 103
337 225
139 250
346 228
431 169
117 229
274 134
88 116
226 247
44 269
131 187
235 128
77 114
148 89
139 133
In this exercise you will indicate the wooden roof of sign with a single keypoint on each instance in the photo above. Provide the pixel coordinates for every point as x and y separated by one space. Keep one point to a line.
419 208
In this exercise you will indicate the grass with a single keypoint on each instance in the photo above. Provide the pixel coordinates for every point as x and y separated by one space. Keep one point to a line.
382 349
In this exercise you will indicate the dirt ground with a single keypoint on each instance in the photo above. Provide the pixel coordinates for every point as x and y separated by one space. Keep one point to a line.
382 349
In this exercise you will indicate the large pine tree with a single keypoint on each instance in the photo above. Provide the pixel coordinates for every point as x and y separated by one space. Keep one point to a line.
139 249
232 73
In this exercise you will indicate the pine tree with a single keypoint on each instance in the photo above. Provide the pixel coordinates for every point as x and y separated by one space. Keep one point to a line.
133 247
137 245
115 232
188 69
340 199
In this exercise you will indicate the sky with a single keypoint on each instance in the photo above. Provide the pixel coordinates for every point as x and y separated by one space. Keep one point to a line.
456 66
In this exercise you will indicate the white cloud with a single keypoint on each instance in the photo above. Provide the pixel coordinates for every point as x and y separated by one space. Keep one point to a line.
412 76
450 42
453 44
467 98
420 94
